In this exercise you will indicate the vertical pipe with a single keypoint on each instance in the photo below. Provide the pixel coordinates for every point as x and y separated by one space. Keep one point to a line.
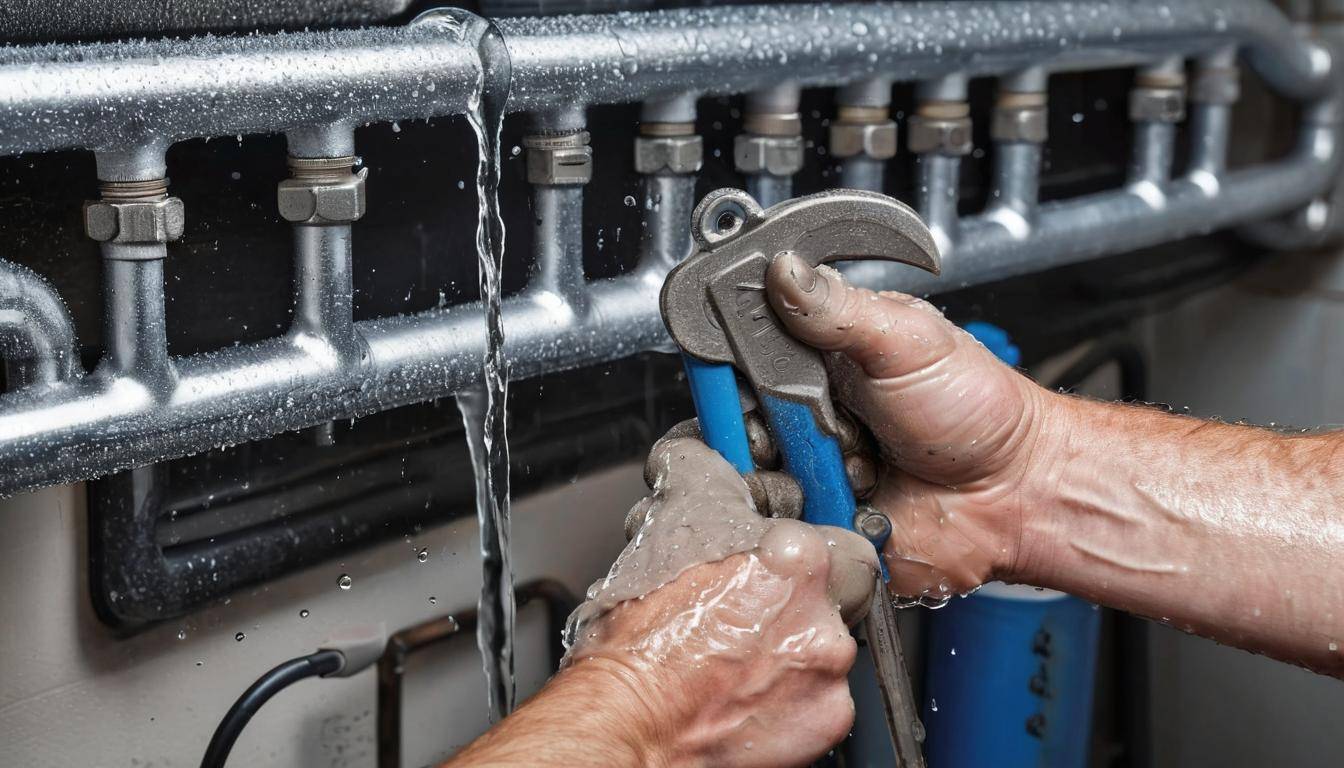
559 164
321 199
1018 130
863 134
133 223
134 327
770 151
940 134
323 287
558 243
1215 89
1156 104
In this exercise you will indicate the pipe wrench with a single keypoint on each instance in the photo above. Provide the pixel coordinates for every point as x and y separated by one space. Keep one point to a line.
715 308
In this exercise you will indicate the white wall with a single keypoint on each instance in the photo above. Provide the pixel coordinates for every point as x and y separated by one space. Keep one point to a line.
74 695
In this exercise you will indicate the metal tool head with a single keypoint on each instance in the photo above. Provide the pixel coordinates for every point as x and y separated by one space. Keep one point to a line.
714 303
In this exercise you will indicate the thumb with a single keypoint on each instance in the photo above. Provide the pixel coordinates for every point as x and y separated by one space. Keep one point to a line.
887 334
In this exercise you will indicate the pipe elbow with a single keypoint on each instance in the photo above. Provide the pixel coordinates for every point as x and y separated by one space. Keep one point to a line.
36 332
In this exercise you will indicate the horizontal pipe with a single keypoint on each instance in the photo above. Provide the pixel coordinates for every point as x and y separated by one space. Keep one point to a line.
111 95
104 425
37 337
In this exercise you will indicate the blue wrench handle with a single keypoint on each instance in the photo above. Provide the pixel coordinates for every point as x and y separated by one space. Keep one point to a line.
814 459
714 392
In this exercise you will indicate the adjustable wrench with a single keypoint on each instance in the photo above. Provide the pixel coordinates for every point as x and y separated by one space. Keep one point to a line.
715 308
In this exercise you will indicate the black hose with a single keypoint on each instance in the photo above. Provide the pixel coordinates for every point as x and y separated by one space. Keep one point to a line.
260 692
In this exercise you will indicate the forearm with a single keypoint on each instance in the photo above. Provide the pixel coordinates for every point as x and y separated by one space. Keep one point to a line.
586 715
1232 532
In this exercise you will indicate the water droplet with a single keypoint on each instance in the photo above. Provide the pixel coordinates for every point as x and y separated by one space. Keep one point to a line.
516 150
629 201
239 637
345 582
422 555
933 704
303 614
859 28
954 651
1333 646
433 600
181 634
1077 117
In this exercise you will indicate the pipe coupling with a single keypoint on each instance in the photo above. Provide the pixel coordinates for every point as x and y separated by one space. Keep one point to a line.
863 131
559 159
775 155
942 127
675 154
1020 117
1157 105
322 190
1216 85
134 212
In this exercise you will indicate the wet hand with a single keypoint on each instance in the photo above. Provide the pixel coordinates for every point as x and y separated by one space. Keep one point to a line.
730 629
956 429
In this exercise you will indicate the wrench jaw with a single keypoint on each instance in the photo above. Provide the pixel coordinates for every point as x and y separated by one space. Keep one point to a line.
714 303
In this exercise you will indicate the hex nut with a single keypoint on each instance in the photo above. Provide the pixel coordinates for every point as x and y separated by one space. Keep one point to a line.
872 140
1021 124
559 160
1157 105
135 221
775 155
675 154
323 201
944 135
1216 85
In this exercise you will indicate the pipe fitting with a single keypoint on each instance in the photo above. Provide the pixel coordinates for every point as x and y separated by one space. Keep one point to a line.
1157 105
1020 117
666 151
559 159
943 127
135 213
322 190
775 155
863 132
1158 95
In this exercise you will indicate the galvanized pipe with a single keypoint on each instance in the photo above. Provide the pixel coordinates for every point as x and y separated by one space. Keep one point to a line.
123 94
111 422
942 102
323 287
37 338
96 427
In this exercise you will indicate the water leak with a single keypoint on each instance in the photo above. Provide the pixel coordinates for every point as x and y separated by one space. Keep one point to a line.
484 414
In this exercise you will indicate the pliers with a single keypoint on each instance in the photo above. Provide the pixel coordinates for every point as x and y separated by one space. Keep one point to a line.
716 310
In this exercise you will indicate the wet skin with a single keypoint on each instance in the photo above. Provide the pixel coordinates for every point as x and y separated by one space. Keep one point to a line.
1232 532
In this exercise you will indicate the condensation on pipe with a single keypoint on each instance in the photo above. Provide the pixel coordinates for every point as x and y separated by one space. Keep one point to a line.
37 337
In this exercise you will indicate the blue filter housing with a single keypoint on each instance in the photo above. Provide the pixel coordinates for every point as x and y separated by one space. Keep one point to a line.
1010 670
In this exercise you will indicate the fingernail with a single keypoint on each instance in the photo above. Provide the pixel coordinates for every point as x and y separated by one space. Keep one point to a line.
802 273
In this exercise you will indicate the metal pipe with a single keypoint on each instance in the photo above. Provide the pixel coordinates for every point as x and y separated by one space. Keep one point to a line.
123 94
323 286
37 337
558 244
669 199
863 135
1214 90
95 427
134 327
1156 104
558 166
939 134
770 149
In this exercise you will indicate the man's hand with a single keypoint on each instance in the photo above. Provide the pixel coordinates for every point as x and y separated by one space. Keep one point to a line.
719 637
957 430
1231 532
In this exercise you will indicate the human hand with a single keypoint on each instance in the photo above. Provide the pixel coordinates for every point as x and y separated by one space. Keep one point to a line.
727 629
957 430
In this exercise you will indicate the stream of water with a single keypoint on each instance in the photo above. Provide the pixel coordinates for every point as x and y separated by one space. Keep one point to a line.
484 414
